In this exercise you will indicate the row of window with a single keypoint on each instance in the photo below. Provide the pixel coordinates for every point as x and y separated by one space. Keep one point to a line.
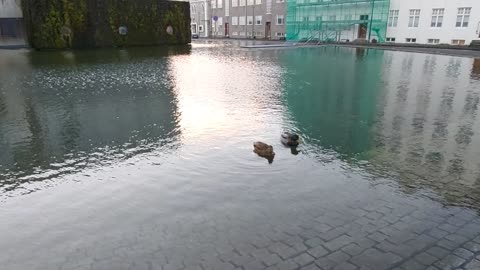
249 34
241 20
239 3
429 41
258 34
463 17
327 18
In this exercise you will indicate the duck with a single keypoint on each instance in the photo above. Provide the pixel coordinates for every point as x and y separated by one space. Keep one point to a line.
264 150
290 139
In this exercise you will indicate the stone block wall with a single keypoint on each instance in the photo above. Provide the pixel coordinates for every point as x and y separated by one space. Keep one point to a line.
62 24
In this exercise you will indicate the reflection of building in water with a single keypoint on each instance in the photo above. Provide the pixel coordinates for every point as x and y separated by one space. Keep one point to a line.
412 116
476 69
61 119
430 129
214 108
333 98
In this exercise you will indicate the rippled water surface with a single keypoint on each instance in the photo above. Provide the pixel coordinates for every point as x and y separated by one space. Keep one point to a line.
164 136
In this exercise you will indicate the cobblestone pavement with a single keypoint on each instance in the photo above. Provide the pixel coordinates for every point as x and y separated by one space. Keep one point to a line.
309 227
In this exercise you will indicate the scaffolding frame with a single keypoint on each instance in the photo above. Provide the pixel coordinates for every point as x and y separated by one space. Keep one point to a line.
337 20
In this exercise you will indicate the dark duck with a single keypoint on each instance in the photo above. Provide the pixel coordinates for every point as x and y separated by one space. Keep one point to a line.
289 139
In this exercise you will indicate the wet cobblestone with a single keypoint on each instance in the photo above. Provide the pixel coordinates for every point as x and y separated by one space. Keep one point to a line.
393 245
401 233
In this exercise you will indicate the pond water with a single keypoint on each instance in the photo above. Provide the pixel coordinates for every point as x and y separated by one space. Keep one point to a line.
115 159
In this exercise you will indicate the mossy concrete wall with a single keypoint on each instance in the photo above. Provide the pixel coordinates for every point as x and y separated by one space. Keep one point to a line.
62 24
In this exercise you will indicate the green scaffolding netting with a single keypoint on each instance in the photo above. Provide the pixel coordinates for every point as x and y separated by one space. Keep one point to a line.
337 20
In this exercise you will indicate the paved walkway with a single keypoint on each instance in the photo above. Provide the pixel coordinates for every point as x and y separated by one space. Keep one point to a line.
12 43
275 44
452 52
359 226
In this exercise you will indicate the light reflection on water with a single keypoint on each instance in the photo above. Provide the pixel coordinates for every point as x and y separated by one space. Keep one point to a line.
408 118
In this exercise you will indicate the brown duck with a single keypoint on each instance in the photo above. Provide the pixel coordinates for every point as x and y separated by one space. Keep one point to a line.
264 150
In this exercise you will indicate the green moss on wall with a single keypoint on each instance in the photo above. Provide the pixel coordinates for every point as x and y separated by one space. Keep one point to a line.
60 24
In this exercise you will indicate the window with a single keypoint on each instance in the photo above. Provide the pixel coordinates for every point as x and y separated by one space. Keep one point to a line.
200 28
280 1
219 3
258 20
390 39
279 34
234 3
332 18
411 40
258 34
241 21
249 20
220 21
269 7
214 3
250 2
258 2
364 17
414 18
280 20
241 33
234 33
242 3
234 20
433 41
463 16
393 18
437 17
348 17
458 42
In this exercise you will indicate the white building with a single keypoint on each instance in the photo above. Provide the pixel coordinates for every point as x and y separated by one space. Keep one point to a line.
200 17
238 18
10 9
454 22
11 19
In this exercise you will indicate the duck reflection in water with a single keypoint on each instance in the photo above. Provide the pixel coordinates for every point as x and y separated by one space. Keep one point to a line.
294 150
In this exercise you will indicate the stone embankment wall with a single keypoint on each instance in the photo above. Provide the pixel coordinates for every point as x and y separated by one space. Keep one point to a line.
62 24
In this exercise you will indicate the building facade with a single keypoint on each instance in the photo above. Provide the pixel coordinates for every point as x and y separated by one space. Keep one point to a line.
260 19
200 17
11 19
455 22
342 20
